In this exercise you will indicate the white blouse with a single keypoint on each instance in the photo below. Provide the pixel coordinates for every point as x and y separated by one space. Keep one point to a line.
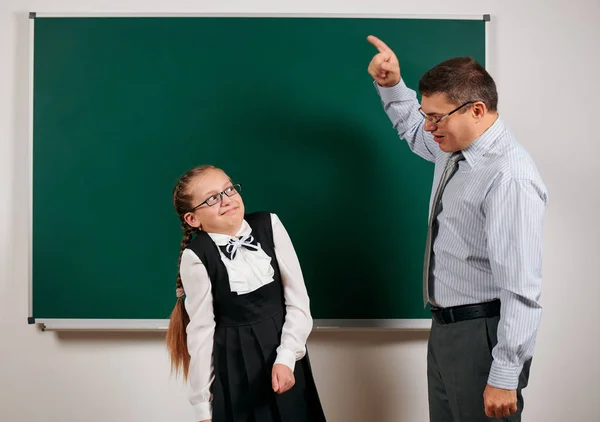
247 271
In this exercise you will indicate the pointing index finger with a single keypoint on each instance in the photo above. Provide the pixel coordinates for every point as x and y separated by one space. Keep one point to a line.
378 44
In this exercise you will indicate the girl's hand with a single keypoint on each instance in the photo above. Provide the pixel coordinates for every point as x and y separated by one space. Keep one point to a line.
282 378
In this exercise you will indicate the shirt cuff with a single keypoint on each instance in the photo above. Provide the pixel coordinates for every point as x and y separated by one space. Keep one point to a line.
287 358
506 378
393 93
203 411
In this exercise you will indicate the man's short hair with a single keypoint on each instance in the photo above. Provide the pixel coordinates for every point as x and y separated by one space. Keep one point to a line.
462 79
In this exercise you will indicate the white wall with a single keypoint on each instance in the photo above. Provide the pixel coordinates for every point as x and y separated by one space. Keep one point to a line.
545 58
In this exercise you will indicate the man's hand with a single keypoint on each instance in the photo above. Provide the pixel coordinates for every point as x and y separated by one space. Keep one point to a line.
384 66
282 378
499 403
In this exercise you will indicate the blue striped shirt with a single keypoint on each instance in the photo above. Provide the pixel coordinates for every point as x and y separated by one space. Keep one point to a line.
489 243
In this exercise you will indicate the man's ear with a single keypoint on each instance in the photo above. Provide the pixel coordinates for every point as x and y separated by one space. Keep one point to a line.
478 110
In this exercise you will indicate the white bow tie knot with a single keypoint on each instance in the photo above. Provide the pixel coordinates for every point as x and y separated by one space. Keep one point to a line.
231 248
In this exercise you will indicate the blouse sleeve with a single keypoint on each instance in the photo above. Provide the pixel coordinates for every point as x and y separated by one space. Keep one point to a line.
200 332
298 321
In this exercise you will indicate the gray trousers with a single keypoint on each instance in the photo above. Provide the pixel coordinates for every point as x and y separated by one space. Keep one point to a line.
458 364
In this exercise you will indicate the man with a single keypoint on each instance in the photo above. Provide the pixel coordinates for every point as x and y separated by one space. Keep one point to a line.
482 272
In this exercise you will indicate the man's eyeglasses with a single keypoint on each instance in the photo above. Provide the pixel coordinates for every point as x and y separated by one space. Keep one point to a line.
437 120
218 197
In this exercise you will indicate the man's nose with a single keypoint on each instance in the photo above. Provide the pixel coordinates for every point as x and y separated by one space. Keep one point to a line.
429 126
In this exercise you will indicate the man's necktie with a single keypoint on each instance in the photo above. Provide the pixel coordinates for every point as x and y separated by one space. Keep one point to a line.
451 167
247 241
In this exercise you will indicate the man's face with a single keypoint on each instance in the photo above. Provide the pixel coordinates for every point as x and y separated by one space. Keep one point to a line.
454 132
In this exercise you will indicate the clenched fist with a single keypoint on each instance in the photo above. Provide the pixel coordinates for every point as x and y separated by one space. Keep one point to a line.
499 403
282 378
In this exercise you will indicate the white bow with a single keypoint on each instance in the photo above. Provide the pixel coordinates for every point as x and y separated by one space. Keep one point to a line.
234 244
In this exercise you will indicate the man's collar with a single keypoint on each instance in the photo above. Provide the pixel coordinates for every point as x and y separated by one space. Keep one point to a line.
483 143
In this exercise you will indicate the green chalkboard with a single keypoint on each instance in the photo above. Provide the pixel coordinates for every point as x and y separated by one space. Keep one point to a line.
123 106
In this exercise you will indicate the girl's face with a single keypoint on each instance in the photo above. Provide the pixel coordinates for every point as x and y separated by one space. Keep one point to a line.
217 207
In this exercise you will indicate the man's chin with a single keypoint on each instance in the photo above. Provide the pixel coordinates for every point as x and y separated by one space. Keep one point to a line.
447 148
443 147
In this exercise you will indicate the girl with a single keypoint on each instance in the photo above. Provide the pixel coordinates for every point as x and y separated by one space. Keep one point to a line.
241 333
